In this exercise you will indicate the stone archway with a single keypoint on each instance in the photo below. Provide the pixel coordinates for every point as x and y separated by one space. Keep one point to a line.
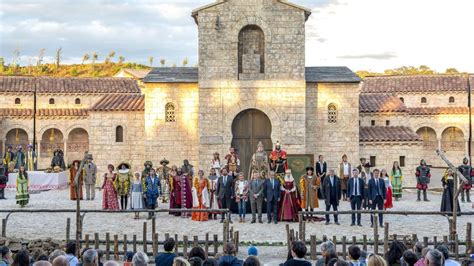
452 139
250 127
428 134
77 144
16 137
51 140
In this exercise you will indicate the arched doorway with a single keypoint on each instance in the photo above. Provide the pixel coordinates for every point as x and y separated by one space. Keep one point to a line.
16 137
51 140
248 128
77 144
452 139
428 135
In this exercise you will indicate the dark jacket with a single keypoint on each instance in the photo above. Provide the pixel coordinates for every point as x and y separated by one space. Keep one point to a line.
318 169
327 189
165 259
296 262
271 192
350 187
225 190
256 190
228 260
373 189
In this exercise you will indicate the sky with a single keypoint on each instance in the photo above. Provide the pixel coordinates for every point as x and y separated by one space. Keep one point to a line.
362 34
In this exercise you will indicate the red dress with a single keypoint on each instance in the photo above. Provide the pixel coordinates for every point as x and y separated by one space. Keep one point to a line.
388 202
109 196
290 202
72 188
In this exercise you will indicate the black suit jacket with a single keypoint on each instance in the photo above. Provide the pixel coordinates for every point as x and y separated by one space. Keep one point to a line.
318 169
350 187
227 190
327 189
373 189
271 192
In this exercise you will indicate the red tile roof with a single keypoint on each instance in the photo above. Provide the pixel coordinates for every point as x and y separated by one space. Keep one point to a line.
120 102
438 110
375 103
420 83
67 85
43 113
387 134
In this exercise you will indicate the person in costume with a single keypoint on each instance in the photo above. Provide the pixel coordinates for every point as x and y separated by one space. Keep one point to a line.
259 161
309 185
175 189
213 202
146 170
22 184
423 176
8 157
72 175
109 194
186 195
396 178
136 194
57 163
355 193
345 170
31 159
151 192
364 172
388 185
164 173
321 169
122 183
447 203
332 194
290 204
3 180
241 192
216 164
20 159
256 196
278 160
467 172
90 178
188 169
233 162
200 197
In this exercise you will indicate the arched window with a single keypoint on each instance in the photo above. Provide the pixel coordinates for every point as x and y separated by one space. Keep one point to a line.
451 99
423 100
402 100
78 101
170 115
17 101
251 50
332 113
51 101
119 134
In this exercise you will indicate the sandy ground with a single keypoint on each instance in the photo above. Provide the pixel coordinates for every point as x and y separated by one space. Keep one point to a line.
41 225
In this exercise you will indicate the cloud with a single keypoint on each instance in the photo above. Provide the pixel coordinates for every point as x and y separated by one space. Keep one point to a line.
379 56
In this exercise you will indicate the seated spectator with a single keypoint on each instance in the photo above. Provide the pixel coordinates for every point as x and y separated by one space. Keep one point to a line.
56 254
376 260
111 263
100 257
394 253
252 251
418 248
42 263
140 259
180 261
128 258
6 256
166 258
195 261
421 261
434 258
43 257
90 258
22 258
210 262
229 259
409 258
197 252
354 256
61 261
298 250
252 261
341 263
332 262
330 255
363 257
447 261
70 253
324 248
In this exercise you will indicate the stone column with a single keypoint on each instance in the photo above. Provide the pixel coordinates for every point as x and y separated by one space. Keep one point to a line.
439 144
65 152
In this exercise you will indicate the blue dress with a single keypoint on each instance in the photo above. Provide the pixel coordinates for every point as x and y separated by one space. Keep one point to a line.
152 190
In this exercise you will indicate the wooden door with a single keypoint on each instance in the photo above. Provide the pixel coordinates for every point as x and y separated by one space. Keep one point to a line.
248 128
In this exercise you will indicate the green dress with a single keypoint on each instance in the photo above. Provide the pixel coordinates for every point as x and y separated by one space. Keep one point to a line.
22 195
397 183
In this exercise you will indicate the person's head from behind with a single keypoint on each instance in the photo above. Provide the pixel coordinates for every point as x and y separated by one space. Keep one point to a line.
434 258
329 255
395 252
180 261
42 263
229 249
251 261
298 248
418 247
61 261
22 258
341 263
71 247
169 244
444 250
42 257
210 262
140 259
325 246
195 261
111 263
90 258
56 254
376 260
409 258
6 254
197 252
354 252
129 256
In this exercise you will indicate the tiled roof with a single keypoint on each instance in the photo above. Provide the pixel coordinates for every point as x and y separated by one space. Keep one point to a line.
120 102
375 103
438 110
67 85
137 73
43 113
421 83
331 74
389 134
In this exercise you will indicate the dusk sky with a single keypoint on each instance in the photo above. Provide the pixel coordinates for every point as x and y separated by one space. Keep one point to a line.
361 34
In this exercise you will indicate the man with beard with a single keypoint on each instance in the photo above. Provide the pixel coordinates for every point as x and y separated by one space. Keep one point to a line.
164 173
225 191
233 162
321 169
20 159
278 160
309 185
364 171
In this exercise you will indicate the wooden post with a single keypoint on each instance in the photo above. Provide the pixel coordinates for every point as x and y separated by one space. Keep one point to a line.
288 238
116 251
125 244
153 226
385 238
334 240
445 240
195 241
236 240
325 238
216 244
167 235
206 245
107 246
456 246
145 246
185 246
354 240
344 251
394 237
376 233
134 243
96 241
68 230
435 241
155 245
226 231
313 247
364 242
468 238
300 223
425 241
86 241
176 246
414 237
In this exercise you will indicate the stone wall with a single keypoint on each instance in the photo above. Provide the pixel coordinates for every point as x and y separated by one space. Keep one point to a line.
42 101
395 119
434 99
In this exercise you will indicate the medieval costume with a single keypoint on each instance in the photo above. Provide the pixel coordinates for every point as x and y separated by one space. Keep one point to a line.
241 192
20 159
57 163
388 186
212 182
3 180
233 162
122 183
467 172
90 178
72 174
216 164
148 165
136 194
186 195
22 195
321 169
31 159
364 172
8 157
151 192
164 173
345 170
278 160
175 190
423 176
200 197
188 168
109 194
396 178
447 201
290 203
259 161
309 185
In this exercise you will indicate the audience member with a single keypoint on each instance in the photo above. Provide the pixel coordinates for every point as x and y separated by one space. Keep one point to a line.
394 253
56 254
22 258
128 258
111 263
42 257
180 261
166 258
434 258
229 259
6 256
197 252
447 261
252 251
61 261
354 256
330 255
298 251
140 259
324 248
421 261
252 261
341 263
42 263
70 253
100 257
332 262
409 258
418 248
90 258
376 260
363 257
210 262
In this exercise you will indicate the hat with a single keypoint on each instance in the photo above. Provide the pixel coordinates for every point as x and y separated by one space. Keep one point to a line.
164 162
89 157
309 168
129 255
148 163
252 251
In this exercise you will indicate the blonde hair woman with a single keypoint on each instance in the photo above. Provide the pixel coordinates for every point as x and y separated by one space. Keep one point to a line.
376 260
180 261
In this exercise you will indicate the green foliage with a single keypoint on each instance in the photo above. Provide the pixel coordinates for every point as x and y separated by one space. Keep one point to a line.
406 70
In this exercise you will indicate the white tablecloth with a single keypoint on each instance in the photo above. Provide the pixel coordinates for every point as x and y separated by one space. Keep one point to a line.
41 181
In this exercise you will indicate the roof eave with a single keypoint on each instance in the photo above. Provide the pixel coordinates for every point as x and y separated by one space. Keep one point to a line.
307 11
196 11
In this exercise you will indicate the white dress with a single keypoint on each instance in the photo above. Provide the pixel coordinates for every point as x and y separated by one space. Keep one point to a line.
136 201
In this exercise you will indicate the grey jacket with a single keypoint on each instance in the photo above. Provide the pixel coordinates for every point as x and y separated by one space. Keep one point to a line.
91 173
256 189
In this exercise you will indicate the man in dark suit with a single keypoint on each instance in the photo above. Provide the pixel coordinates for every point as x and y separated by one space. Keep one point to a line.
355 192
321 170
225 191
332 194
271 191
377 195
256 197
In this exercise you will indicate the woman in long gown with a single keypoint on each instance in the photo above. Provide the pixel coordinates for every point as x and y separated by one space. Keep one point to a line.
175 190
186 194
388 185
22 183
136 192
290 202
72 175
213 202
447 202
109 195
396 179
200 197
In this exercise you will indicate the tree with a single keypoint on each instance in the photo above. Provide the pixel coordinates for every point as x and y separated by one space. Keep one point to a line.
162 62
111 54
39 61
185 61
2 64
58 57
150 60
174 65
16 57
109 57
85 57
121 59
94 57
451 70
